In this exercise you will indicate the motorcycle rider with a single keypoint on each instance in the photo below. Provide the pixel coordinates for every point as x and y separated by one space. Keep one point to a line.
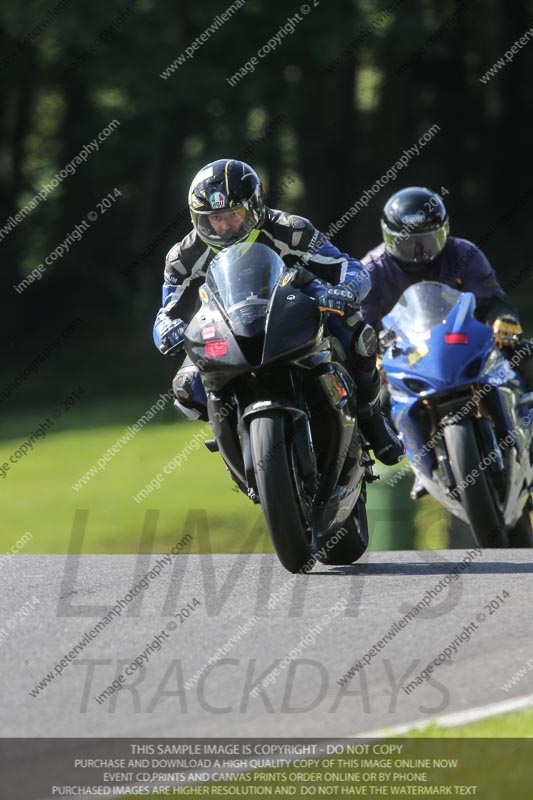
227 205
416 246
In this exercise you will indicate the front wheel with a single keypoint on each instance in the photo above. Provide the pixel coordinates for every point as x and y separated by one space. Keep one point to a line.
473 487
277 492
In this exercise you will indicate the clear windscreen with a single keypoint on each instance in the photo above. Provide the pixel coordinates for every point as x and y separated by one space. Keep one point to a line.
421 308
243 278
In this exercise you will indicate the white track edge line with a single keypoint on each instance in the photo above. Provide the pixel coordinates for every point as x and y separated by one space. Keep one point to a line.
455 719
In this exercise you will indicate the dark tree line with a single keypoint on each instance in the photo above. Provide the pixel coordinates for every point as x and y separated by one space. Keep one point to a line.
321 117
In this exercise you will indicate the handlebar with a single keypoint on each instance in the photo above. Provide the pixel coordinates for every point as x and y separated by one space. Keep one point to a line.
351 321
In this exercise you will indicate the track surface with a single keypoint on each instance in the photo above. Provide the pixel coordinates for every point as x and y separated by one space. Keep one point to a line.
305 700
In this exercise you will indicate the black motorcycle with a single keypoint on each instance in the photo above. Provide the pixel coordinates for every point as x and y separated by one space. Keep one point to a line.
282 405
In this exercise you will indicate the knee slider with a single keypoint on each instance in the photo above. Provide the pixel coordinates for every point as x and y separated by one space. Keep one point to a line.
183 383
189 393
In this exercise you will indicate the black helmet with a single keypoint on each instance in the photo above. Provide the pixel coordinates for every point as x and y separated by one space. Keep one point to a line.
226 187
415 227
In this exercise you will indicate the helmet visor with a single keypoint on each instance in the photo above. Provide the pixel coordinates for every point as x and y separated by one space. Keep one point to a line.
415 248
220 228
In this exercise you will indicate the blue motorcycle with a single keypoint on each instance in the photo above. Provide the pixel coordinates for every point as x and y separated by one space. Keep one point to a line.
461 410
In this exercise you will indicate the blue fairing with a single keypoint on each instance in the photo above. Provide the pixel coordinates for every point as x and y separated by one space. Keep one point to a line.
440 348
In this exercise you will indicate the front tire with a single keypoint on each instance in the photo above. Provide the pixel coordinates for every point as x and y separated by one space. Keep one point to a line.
476 497
277 492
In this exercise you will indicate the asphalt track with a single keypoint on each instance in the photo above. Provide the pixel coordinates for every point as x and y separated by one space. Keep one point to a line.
304 699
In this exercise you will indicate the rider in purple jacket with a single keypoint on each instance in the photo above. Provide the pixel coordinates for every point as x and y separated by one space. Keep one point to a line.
416 247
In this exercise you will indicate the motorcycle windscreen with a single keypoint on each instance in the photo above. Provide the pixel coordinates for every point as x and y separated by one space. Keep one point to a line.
242 278
421 308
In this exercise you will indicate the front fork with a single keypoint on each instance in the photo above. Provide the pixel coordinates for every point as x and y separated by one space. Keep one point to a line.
232 431
452 413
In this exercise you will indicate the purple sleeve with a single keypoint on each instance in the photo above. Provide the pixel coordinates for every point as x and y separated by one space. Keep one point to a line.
478 276
372 305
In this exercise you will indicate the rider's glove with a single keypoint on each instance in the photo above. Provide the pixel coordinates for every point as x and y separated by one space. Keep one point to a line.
506 330
171 334
341 299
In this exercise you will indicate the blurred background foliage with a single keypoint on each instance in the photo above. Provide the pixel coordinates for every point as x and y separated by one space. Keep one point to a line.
321 118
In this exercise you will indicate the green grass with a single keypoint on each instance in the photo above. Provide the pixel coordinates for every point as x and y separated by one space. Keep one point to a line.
37 493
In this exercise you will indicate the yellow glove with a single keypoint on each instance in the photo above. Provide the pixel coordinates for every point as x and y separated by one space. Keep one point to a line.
506 330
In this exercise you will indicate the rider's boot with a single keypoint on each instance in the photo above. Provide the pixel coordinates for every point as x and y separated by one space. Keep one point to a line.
387 447
362 352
